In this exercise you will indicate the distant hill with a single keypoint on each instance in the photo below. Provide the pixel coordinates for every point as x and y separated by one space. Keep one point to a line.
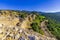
53 16
54 23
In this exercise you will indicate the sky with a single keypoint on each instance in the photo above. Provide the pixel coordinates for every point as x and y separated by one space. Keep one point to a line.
31 5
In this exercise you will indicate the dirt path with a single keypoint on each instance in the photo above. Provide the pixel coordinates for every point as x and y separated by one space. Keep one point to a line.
44 28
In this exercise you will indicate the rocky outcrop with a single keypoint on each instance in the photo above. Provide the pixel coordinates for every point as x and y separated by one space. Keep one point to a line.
10 30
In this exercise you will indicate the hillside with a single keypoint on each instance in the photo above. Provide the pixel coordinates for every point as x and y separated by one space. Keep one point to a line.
54 23
24 25
53 16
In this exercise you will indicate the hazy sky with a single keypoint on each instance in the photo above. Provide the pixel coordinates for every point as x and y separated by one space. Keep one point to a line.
36 5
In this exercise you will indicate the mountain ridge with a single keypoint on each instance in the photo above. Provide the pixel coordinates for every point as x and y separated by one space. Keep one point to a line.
16 25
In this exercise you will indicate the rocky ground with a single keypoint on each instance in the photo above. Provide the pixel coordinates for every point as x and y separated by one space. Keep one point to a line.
17 33
12 29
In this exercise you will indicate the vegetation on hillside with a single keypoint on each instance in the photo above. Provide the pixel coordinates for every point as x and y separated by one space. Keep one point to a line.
36 23
54 24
